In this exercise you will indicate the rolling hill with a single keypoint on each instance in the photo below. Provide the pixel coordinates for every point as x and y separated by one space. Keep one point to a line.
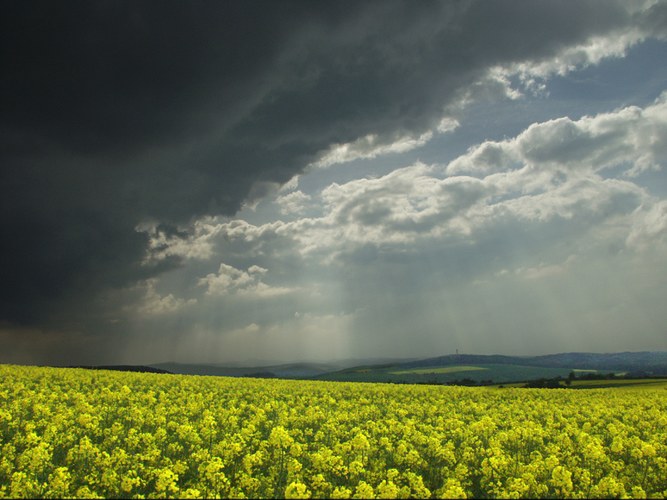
465 368
474 368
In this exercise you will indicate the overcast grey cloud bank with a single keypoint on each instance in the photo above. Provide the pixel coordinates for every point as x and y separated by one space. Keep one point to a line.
129 129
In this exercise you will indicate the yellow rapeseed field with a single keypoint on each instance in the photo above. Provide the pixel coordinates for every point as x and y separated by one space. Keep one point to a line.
79 433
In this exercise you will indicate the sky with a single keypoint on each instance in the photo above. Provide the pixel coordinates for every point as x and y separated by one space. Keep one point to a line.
248 182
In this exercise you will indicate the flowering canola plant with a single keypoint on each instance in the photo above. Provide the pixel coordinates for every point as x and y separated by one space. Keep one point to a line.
82 433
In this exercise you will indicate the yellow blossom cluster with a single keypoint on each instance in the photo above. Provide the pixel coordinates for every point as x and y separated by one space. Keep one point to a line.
86 434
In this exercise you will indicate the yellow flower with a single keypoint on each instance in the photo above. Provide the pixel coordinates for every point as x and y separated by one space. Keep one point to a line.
363 490
297 489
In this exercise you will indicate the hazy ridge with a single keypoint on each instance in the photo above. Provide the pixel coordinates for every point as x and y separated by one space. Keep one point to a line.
440 369
495 367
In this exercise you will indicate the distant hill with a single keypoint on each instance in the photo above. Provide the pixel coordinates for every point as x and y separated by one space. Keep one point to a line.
476 368
646 361
451 368
620 361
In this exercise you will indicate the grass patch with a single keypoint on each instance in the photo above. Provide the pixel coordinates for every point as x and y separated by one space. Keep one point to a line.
439 369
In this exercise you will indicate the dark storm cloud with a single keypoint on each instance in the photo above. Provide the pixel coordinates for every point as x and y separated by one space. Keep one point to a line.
115 113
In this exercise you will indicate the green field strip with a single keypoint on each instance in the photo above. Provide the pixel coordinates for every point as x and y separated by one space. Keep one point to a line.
439 369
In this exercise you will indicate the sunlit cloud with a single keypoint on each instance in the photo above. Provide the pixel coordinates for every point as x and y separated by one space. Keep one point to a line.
229 280
630 135
294 202
372 146
155 304
549 171
650 226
